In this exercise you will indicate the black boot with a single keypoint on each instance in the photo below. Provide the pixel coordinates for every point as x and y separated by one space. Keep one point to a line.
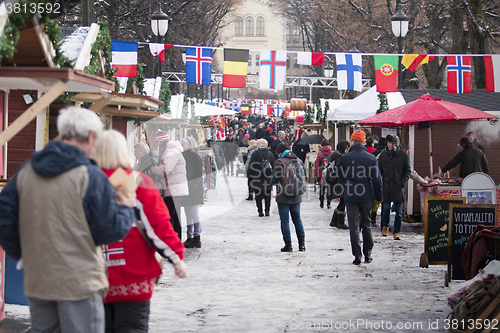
250 197
302 245
328 204
335 218
288 246
321 204
341 221
374 218
195 243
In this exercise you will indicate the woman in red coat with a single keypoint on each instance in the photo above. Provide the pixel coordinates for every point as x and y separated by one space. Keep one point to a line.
132 265
321 162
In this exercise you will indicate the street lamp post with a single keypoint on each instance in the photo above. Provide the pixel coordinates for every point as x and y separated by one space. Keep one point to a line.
400 29
159 25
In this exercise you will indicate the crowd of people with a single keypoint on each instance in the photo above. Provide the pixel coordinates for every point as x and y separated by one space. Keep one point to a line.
87 226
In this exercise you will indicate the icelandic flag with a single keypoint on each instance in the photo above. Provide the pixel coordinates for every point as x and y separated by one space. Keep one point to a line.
158 49
124 58
459 74
198 65
272 70
349 71
492 71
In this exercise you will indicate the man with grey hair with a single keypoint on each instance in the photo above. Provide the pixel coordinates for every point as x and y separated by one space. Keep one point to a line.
56 213
281 138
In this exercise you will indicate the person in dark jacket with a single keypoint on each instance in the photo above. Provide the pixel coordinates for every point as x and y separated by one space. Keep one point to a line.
363 184
472 137
218 154
56 212
260 133
395 168
193 201
324 190
288 205
281 138
230 150
300 150
260 183
470 159
337 189
379 148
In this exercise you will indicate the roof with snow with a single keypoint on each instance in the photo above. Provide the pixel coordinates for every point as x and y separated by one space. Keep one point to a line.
72 43
478 98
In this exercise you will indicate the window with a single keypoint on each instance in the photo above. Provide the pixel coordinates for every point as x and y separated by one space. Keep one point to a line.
295 64
249 27
287 62
260 26
257 61
249 63
239 26
296 34
288 34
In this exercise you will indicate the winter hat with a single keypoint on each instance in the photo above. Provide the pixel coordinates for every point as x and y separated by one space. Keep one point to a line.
247 136
252 145
359 135
464 141
262 143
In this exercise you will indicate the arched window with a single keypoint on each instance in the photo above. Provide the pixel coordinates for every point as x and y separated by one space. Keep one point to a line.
257 61
249 63
238 26
288 34
249 27
295 64
260 26
296 34
287 62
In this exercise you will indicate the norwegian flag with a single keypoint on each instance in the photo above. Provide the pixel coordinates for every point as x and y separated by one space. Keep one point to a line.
114 254
198 65
162 137
459 74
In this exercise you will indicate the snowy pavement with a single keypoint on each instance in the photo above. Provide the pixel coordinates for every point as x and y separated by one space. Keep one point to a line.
239 281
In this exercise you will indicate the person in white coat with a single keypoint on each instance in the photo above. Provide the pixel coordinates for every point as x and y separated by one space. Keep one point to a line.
173 169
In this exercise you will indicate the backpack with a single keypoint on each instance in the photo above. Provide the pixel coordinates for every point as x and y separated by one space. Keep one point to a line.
330 173
326 160
294 178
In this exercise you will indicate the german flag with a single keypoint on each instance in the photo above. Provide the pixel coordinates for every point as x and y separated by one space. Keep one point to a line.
235 68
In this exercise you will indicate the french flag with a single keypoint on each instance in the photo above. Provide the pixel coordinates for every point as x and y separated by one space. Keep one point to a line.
310 58
124 58
492 71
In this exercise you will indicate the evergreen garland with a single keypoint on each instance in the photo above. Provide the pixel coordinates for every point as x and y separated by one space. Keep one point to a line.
164 96
319 111
325 114
383 103
138 80
102 43
308 119
16 21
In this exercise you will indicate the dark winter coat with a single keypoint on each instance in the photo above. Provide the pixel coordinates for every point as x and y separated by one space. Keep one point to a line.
279 169
257 180
395 169
230 149
470 159
217 153
260 133
361 175
336 187
194 170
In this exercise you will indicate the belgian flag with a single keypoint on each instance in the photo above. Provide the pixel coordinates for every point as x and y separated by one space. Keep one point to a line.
235 68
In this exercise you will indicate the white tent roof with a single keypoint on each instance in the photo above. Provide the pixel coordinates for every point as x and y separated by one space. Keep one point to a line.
201 110
364 106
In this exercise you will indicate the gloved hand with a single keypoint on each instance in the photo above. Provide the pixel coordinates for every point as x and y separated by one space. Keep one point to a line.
181 269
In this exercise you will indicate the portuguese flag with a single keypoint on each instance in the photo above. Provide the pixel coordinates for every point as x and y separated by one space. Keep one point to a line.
235 68
386 72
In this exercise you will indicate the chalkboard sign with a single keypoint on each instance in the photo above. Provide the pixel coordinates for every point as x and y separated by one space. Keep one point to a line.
436 228
463 221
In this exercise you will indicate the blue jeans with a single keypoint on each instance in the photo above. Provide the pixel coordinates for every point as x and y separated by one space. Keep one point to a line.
294 210
386 216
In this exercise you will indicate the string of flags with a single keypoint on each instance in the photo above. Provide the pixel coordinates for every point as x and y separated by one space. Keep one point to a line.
272 71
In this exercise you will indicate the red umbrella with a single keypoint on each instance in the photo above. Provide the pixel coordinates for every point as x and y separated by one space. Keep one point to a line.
425 109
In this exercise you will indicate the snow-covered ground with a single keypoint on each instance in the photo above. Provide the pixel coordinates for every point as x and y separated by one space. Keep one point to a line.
239 281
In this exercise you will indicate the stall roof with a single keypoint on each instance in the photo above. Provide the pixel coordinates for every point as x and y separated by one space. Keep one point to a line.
478 98
44 78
